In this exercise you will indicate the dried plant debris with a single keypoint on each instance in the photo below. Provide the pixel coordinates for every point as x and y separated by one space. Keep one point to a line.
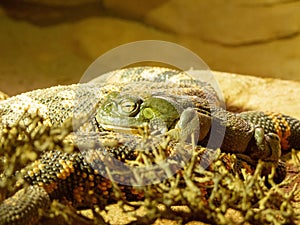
211 195
228 191
3 96
23 143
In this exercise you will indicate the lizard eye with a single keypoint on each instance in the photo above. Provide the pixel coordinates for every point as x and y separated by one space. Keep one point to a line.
129 107
109 107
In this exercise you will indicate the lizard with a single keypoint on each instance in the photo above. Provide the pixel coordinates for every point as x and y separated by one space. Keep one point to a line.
250 135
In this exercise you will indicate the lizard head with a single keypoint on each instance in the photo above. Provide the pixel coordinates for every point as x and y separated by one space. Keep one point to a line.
132 113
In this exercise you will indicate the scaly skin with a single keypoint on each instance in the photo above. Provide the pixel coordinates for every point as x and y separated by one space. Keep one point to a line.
286 127
157 90
181 116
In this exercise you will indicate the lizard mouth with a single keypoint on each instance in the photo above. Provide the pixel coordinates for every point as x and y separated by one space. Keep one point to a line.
123 129
155 126
120 124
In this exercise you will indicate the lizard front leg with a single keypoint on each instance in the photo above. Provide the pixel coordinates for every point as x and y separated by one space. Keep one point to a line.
238 135
247 141
191 125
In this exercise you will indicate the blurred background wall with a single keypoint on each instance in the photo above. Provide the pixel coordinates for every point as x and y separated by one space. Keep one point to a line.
49 42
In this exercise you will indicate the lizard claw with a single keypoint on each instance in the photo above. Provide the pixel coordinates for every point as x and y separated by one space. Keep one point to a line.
264 146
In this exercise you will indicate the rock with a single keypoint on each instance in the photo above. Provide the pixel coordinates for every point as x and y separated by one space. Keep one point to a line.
95 36
252 93
235 23
253 37
137 9
56 2
44 45
232 24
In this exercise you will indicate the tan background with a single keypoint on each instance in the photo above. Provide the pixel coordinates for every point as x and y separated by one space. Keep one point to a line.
50 42
46 42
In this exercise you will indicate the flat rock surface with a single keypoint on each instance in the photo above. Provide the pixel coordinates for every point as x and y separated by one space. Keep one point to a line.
243 93
45 43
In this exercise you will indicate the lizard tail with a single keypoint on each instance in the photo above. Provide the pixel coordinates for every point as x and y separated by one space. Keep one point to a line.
29 200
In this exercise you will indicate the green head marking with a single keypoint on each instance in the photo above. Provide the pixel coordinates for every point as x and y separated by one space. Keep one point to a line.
128 113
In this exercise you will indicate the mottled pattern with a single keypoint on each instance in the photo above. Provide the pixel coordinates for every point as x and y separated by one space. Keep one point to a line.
286 127
24 206
69 178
